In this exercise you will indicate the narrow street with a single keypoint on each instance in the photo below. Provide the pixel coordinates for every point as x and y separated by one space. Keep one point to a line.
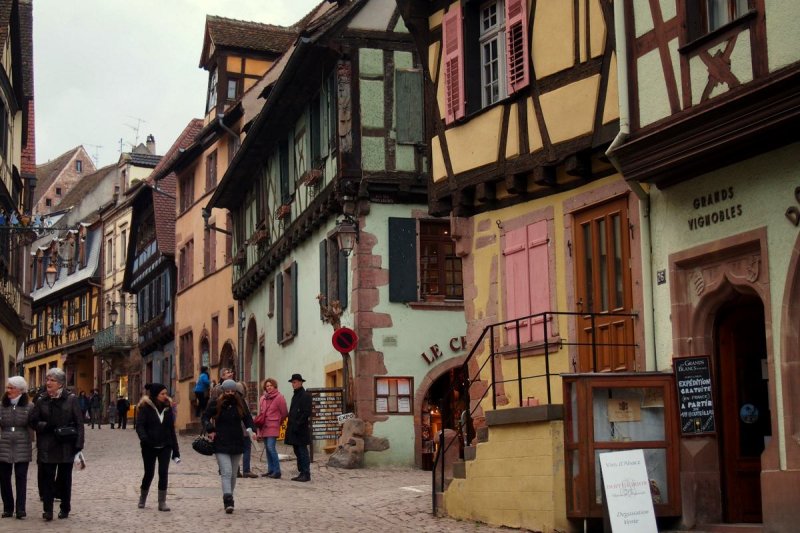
104 496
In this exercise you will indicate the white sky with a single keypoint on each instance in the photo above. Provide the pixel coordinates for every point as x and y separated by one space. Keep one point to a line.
101 65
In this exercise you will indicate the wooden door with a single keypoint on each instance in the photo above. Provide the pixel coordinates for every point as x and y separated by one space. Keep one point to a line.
743 407
603 278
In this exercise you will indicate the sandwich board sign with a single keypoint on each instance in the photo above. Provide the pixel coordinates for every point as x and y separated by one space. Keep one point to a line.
627 492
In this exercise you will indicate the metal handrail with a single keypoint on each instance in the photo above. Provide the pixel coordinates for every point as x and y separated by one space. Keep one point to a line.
466 385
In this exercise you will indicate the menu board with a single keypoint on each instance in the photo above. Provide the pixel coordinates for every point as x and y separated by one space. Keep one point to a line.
695 394
326 406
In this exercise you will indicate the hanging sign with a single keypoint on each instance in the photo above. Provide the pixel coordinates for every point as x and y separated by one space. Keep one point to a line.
344 340
695 394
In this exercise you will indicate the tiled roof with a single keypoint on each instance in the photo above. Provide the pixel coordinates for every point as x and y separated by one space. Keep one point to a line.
47 172
184 141
83 186
144 160
164 212
65 279
5 19
26 42
232 33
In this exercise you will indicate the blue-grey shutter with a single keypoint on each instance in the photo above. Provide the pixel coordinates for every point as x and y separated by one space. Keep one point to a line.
408 95
342 279
279 306
315 131
294 299
283 156
402 260
323 273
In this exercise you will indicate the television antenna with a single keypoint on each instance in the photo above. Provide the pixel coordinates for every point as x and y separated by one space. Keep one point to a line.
135 128
96 153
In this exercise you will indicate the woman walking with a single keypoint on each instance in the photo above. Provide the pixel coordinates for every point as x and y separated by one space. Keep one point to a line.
15 445
56 416
201 390
223 421
271 412
155 426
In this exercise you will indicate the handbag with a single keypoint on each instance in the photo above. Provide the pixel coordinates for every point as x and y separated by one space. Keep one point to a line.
66 433
261 420
203 445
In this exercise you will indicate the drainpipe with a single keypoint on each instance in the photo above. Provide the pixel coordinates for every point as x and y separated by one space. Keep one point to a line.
635 187
221 120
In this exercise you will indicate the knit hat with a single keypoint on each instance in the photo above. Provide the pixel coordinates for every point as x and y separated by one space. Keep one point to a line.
155 389
228 385
18 382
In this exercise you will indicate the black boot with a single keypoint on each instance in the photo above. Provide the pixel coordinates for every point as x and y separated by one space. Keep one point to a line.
142 498
227 500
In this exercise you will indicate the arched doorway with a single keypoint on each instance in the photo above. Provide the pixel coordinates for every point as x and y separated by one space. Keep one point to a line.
743 400
227 357
441 408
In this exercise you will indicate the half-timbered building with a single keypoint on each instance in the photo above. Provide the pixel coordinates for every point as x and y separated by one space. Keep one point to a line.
341 134
710 138
521 106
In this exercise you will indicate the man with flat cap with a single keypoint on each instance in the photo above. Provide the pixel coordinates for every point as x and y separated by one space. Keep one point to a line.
297 430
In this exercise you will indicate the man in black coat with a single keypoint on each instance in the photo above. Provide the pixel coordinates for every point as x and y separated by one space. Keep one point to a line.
297 430
122 412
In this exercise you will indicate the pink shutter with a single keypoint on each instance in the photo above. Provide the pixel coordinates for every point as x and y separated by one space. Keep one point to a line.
517 284
517 44
539 269
453 47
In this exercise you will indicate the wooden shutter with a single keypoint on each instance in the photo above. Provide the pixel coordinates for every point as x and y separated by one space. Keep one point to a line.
342 279
453 51
515 252
279 307
408 98
323 273
402 260
539 269
517 45
294 299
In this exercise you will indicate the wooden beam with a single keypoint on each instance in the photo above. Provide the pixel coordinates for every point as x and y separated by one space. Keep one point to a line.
579 165
516 183
544 175
486 192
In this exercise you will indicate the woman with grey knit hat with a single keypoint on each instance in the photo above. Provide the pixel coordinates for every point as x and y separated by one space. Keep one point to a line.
56 416
15 445
155 426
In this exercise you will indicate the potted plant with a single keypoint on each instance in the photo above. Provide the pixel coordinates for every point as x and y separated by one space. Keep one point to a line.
283 211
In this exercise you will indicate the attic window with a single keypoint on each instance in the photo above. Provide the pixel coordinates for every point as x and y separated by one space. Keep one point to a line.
48 202
78 166
58 191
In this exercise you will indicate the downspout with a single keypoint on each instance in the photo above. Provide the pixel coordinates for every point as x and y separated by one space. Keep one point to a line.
221 120
621 44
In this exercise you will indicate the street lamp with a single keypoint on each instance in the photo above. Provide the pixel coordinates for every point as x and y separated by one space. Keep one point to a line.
50 275
113 315
347 234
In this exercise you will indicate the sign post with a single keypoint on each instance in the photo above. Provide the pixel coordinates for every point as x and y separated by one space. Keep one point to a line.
345 340
627 492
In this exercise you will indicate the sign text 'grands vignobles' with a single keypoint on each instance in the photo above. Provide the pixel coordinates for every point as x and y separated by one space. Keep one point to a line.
720 205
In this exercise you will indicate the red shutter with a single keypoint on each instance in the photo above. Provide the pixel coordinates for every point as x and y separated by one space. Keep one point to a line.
517 45
517 284
539 269
453 47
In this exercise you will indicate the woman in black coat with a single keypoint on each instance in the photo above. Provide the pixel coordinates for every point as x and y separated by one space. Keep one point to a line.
54 411
15 445
223 421
155 426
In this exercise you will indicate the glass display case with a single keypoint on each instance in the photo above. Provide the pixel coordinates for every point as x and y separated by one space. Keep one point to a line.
612 412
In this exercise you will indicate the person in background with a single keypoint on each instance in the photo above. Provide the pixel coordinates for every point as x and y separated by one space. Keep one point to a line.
271 412
223 421
216 392
15 445
201 390
83 400
122 412
297 431
155 426
248 445
56 409
96 409
112 414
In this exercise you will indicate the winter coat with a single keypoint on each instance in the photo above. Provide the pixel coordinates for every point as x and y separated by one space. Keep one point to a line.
95 402
123 405
15 434
274 406
51 413
297 431
154 432
203 383
229 437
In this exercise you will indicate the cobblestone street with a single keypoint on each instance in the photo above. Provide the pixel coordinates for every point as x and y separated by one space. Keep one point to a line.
104 496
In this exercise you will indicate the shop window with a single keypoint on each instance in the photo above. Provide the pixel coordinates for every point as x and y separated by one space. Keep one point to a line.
706 16
432 275
286 292
393 395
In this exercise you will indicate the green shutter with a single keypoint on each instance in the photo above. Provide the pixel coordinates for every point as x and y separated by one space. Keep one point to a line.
279 305
408 97
402 260
342 279
323 273
294 299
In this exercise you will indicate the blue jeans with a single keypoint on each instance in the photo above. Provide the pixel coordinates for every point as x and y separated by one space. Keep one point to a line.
228 465
248 446
273 463
303 459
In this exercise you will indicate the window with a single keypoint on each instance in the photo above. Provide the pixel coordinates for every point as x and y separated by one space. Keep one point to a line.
205 352
437 276
705 16
48 202
211 170
186 347
109 256
123 247
332 272
393 395
185 265
286 292
490 41
212 91
209 251
234 85
233 147
70 313
78 165
527 277
186 194
214 340
231 316
84 310
58 191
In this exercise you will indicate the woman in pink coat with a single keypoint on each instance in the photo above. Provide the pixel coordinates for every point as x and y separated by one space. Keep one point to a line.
271 412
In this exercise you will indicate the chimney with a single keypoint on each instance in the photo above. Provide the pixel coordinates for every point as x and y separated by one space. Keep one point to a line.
151 144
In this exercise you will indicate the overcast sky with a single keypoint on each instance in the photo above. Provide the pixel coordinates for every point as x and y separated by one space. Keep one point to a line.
103 68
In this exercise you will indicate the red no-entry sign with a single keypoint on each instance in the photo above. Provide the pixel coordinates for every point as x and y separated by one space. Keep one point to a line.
344 340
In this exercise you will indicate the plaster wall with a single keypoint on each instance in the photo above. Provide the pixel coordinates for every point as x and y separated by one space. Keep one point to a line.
782 19
374 16
552 37
569 110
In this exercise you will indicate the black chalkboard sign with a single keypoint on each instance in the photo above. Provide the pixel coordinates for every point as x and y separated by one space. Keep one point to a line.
695 394
326 406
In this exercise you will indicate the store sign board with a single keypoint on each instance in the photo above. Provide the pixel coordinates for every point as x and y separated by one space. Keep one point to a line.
326 406
695 394
627 492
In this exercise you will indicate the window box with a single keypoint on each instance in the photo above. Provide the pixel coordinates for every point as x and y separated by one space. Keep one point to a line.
259 236
311 177
283 211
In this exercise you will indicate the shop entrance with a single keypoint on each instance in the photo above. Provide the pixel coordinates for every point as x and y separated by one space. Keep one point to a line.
441 409
741 362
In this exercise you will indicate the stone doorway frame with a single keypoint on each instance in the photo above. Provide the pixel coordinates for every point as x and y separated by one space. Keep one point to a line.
702 280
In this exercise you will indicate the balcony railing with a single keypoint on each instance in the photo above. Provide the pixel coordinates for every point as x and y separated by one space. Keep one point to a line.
117 338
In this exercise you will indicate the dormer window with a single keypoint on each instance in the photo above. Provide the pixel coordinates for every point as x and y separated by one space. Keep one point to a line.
212 91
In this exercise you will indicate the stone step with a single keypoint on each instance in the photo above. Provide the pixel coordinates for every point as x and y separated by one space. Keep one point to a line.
470 452
482 434
460 470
